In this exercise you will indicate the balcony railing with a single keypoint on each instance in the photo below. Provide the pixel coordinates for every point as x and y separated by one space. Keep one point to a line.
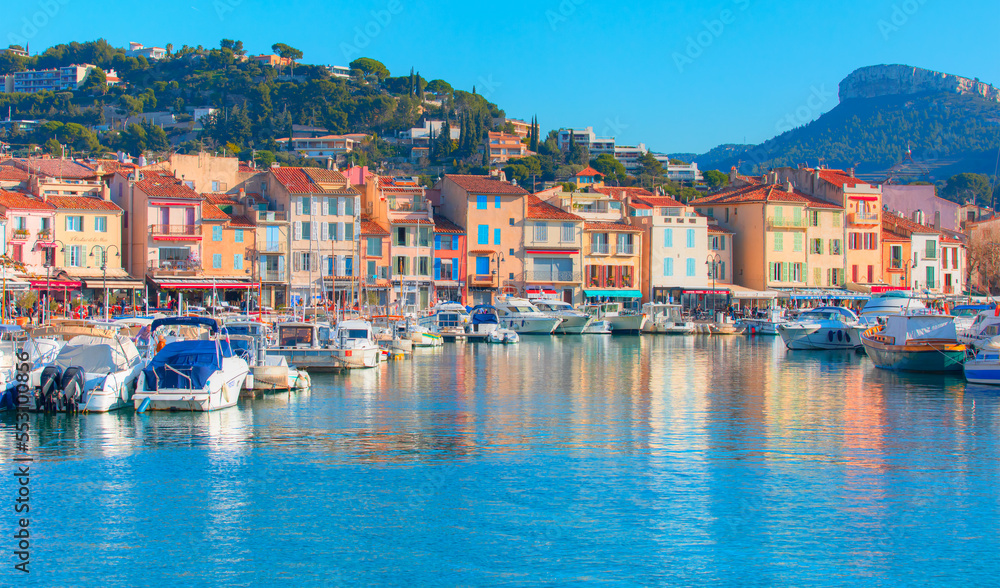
600 249
272 276
483 280
863 218
21 234
406 204
896 264
786 223
552 276
272 247
174 265
193 231
625 250
45 235
272 216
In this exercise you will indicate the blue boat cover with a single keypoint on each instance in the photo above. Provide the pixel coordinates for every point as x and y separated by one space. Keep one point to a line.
197 360
186 321
484 314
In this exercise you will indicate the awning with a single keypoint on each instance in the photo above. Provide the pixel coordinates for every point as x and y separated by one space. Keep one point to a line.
55 285
741 293
719 290
865 197
542 290
823 294
15 285
113 284
176 284
612 293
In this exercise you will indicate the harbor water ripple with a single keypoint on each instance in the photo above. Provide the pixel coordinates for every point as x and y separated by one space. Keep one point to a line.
559 461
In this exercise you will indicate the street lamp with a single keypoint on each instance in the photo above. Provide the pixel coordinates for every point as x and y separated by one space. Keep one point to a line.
499 259
104 271
712 263
48 280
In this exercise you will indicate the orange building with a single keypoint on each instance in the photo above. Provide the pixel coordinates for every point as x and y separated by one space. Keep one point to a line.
375 260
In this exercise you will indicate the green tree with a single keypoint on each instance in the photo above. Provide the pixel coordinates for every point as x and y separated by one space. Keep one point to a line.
613 170
968 187
53 147
650 169
96 83
439 87
371 67
715 179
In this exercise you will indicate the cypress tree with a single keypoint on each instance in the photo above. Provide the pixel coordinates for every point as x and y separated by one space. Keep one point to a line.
413 91
420 88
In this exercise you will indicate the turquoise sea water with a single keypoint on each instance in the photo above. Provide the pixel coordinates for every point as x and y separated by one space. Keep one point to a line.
566 460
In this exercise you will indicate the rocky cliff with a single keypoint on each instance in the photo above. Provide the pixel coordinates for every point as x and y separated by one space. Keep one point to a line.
895 80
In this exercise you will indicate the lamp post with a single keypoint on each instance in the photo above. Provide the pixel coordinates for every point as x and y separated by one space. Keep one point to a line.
104 271
48 279
499 259
712 263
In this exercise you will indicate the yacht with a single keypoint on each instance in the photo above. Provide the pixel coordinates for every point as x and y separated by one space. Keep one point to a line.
90 374
305 345
666 319
965 314
888 303
520 316
484 320
827 327
573 322
191 374
984 327
354 345
916 341
623 322
250 340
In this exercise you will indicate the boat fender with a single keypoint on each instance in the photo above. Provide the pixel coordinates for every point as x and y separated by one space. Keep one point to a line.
143 405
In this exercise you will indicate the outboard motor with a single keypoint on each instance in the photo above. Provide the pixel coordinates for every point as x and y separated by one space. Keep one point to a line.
73 381
48 388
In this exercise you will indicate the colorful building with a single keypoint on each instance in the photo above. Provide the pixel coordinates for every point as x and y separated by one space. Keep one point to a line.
449 261
553 245
375 261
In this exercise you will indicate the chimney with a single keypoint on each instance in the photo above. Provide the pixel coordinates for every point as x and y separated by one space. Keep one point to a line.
850 171
105 192
732 174
788 186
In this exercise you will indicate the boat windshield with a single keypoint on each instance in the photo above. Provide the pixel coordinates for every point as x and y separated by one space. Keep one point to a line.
292 336
821 316
965 312
523 309
354 334
243 330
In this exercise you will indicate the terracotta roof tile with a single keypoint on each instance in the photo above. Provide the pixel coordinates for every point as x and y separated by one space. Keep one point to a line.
485 185
890 236
13 174
658 201
220 199
56 168
840 178
894 222
716 229
620 193
18 201
210 211
614 227
110 166
164 185
295 180
411 221
762 193
588 171
538 209
443 225
372 228
325 176
240 220
82 203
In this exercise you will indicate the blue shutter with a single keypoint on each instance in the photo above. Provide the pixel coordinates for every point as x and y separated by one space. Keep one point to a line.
349 265
484 234
722 242
437 242
668 237
496 202
482 266
690 265
690 238
238 261
481 202
437 268
329 266
454 268
496 236
217 261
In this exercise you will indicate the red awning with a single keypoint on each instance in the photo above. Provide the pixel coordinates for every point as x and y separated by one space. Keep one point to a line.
541 290
55 285
865 197
205 285
881 289
40 244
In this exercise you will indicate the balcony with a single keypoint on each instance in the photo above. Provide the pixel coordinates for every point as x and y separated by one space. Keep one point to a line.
176 232
45 235
600 249
863 218
407 204
20 234
272 247
272 216
482 280
552 276
786 223
175 267
270 275
895 264
625 249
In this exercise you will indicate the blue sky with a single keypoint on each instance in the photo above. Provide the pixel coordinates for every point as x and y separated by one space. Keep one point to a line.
679 77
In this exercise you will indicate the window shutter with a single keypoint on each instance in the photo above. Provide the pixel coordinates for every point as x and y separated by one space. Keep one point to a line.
281 267
454 268
325 206
340 231
349 232
324 231
341 206
437 242
298 205
437 268
297 261
340 265
297 231
357 230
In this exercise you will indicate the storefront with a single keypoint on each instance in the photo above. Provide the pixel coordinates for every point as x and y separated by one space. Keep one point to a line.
200 292
629 299
706 299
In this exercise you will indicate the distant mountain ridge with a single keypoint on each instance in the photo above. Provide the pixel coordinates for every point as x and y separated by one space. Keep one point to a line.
950 123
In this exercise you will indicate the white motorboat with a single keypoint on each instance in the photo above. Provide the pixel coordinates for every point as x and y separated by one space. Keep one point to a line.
666 319
598 328
965 314
191 374
354 345
827 327
90 373
767 324
418 334
574 322
446 318
250 340
503 337
484 320
984 327
887 304
623 322
306 346
519 315
984 368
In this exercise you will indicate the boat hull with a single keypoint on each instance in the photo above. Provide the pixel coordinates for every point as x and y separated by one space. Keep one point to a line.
669 328
818 338
573 325
214 396
926 356
978 371
531 326
628 324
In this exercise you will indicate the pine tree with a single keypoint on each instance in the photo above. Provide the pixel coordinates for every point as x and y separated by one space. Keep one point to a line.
486 156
